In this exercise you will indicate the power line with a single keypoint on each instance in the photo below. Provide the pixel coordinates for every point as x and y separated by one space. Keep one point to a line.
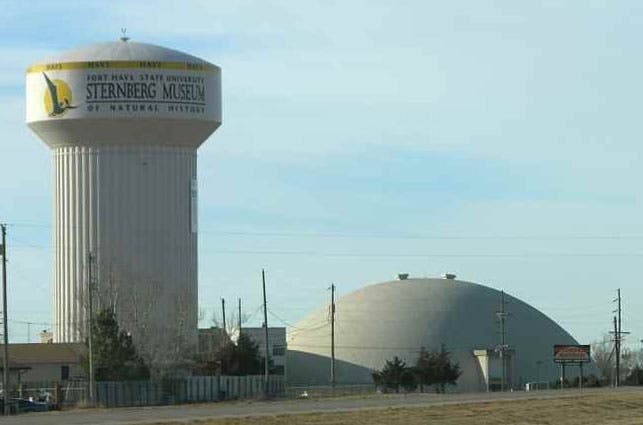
379 235
414 236
299 252
413 349
279 319
309 329
428 254
255 311
246 319
525 255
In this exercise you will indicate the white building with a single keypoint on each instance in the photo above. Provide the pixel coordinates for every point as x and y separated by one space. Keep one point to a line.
45 362
211 339
276 346
398 318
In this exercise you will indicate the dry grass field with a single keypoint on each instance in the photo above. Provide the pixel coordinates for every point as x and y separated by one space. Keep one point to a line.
603 409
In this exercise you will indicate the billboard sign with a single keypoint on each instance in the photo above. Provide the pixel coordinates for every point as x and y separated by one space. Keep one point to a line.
572 354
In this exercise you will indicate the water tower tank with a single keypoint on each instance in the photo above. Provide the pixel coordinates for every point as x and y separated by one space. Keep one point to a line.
124 121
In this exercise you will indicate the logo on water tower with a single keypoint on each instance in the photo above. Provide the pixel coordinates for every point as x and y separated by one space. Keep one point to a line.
58 97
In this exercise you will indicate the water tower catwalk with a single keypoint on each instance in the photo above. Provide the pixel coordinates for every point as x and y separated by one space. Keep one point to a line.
124 121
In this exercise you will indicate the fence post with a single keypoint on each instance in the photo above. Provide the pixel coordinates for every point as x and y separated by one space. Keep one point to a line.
57 394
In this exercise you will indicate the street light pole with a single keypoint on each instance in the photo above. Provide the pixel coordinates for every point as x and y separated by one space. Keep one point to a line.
5 330
332 336
266 360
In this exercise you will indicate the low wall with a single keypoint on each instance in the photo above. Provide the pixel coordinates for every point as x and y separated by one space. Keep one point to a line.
196 389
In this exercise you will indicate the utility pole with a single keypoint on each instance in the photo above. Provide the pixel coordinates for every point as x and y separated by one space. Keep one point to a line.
617 350
225 329
265 324
239 316
618 337
90 326
332 335
502 316
5 330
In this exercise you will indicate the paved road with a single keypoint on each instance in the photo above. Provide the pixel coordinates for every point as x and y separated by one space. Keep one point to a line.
141 415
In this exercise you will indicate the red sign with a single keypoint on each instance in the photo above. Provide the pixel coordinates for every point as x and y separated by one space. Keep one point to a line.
572 354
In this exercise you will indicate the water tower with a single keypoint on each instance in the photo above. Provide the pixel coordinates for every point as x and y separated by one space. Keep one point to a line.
124 121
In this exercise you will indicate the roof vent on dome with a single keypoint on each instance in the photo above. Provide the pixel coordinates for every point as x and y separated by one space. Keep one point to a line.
403 276
449 276
124 37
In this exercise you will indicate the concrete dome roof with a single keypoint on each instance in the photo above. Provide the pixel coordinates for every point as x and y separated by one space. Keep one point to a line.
397 318
123 51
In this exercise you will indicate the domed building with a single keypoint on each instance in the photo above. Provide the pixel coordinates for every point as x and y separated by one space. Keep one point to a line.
398 318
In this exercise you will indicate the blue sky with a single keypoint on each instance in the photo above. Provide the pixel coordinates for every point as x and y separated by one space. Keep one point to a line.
498 140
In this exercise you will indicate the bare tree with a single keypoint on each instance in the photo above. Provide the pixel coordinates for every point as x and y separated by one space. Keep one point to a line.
637 356
232 323
629 360
603 357
165 340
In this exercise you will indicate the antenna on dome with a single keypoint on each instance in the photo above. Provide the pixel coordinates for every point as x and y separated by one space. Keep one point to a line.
124 37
